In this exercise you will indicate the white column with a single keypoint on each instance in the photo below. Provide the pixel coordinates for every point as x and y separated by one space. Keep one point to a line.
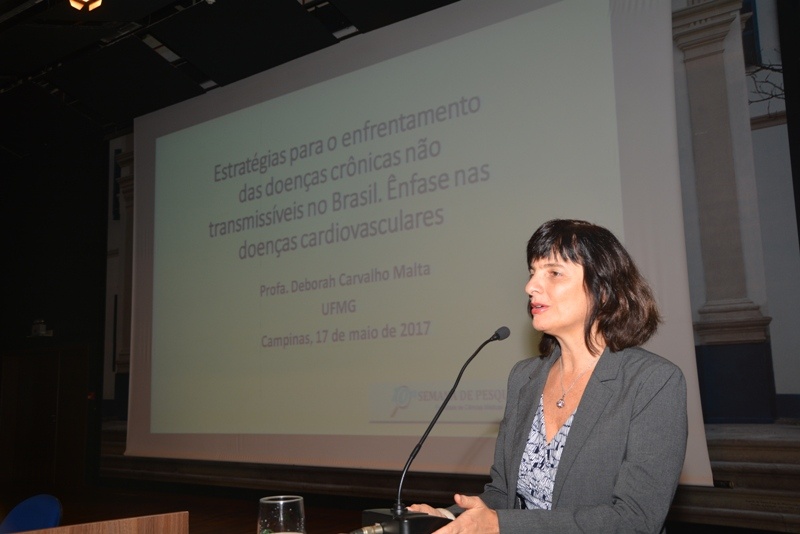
700 32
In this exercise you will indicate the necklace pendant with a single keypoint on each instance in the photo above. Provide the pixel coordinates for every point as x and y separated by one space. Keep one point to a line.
560 402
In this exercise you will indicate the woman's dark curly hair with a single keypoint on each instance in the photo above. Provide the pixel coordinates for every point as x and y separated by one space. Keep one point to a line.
621 303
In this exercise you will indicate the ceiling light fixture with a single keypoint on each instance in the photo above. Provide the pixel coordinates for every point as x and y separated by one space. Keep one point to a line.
89 4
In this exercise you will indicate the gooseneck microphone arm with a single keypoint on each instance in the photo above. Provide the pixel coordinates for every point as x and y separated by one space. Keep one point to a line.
399 520
399 508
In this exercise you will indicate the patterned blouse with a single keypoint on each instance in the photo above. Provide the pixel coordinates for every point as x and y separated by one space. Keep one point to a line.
537 471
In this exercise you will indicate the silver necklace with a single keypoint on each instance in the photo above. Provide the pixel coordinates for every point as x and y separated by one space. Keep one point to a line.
560 402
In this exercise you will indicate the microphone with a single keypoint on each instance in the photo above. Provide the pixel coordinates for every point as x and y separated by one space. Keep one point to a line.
398 520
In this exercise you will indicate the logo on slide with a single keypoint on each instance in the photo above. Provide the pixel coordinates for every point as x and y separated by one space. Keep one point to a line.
401 398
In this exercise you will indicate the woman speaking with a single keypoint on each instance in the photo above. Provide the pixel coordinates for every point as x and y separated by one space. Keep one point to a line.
594 431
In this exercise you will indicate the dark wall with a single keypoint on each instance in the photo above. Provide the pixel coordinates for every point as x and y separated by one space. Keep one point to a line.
53 205
788 23
53 190
55 243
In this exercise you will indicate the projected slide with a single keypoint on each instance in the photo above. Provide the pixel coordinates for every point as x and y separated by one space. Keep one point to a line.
320 247
325 261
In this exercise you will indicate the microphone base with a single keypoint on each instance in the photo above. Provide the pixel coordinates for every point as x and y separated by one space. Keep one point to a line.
408 523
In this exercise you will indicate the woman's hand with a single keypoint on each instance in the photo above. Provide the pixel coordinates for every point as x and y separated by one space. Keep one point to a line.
477 518
426 509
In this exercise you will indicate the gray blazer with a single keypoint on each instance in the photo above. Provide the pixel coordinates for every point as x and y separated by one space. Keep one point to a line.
620 466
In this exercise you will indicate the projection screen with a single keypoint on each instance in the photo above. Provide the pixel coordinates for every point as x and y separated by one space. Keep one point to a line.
319 248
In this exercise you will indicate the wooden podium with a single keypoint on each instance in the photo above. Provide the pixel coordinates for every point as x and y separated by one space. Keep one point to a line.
175 523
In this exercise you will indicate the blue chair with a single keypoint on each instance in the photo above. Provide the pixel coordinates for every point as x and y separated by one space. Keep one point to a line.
37 512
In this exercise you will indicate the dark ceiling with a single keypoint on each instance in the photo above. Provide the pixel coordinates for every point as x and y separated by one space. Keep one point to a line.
69 72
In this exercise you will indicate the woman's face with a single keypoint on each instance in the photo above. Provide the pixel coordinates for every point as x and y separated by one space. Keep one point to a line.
558 300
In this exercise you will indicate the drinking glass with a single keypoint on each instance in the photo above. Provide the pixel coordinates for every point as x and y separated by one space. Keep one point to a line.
281 514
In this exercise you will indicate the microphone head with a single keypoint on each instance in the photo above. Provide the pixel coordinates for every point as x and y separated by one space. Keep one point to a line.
501 333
